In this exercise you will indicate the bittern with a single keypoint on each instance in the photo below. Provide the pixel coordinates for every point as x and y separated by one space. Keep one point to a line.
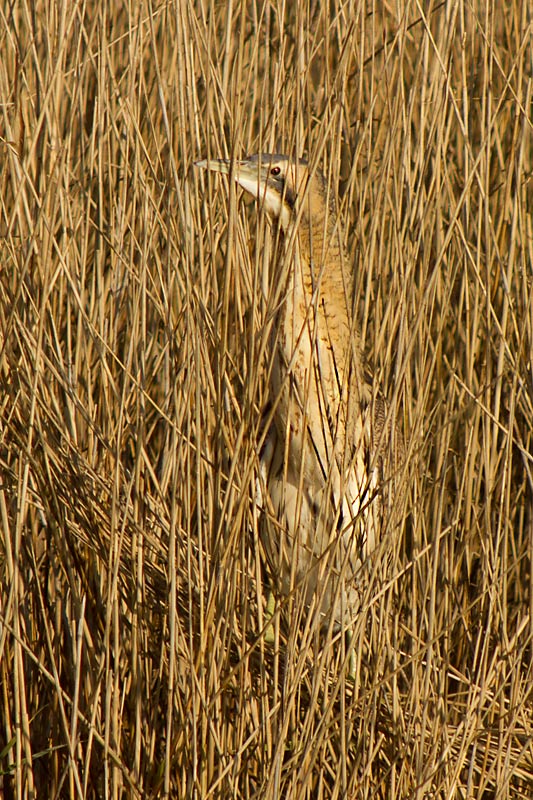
323 464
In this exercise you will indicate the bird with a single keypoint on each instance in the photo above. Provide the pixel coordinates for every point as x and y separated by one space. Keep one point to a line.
326 464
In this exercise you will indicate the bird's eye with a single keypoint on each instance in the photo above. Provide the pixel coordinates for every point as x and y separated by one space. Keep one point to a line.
275 170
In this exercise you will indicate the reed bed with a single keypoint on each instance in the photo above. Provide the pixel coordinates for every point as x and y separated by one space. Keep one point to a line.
133 661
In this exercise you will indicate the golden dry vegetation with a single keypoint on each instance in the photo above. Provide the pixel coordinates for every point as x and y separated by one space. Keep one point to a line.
132 655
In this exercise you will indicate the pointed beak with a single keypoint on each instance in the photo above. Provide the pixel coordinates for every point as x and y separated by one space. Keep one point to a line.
215 165
245 172
252 176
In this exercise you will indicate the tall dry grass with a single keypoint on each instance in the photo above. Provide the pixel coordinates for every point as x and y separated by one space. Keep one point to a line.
132 661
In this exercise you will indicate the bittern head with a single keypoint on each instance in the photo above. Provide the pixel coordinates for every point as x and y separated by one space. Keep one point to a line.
277 181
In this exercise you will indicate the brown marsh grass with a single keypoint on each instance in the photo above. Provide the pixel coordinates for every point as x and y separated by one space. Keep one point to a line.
132 369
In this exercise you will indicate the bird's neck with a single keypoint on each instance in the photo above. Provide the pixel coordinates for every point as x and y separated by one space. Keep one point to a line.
321 270
324 260
318 282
